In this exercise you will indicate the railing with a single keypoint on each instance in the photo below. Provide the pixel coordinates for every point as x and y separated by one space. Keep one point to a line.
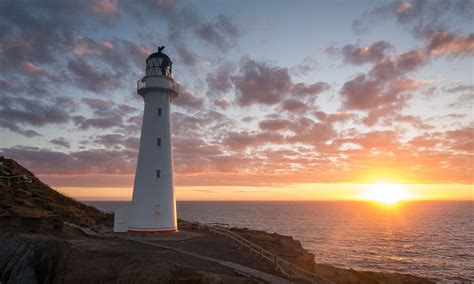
141 84
173 85
287 268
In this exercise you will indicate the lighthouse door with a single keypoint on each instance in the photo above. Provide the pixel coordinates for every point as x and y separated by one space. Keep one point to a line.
157 210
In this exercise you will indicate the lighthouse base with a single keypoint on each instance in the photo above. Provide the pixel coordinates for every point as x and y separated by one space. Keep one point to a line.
152 232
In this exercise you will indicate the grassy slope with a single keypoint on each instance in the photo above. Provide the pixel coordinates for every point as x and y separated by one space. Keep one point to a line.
38 199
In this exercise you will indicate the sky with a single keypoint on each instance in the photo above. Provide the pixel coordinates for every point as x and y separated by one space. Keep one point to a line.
279 100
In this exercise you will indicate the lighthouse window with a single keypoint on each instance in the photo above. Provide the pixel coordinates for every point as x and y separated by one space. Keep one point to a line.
158 142
159 111
158 173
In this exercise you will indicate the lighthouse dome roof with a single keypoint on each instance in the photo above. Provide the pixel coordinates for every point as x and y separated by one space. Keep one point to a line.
159 63
159 54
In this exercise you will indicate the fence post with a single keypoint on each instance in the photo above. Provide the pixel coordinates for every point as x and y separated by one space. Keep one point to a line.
261 253
276 262
290 272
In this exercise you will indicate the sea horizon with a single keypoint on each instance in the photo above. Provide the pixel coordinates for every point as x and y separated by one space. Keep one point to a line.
348 200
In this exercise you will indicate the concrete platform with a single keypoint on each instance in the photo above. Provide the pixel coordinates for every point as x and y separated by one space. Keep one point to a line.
172 237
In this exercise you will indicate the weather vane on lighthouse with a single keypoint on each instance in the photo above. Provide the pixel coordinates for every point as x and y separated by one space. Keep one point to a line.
153 207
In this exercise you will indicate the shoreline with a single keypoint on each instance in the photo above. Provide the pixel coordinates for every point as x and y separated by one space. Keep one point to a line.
101 247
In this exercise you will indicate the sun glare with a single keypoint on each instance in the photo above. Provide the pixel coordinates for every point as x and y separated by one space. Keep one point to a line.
386 193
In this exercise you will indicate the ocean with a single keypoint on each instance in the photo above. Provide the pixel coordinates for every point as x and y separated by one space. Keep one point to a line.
433 239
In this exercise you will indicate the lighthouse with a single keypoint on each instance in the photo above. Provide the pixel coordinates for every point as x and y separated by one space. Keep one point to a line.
153 207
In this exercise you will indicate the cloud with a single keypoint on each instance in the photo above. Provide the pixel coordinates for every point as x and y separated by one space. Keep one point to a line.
92 161
292 105
238 141
116 141
219 81
381 100
274 124
223 103
417 14
106 7
222 33
189 100
259 83
359 55
385 89
17 112
89 78
311 89
117 54
461 139
35 32
107 114
440 42
459 87
361 93
61 141
185 20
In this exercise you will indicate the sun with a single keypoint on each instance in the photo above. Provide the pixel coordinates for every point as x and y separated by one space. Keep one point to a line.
386 193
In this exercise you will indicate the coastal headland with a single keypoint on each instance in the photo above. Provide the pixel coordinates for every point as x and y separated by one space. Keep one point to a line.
46 237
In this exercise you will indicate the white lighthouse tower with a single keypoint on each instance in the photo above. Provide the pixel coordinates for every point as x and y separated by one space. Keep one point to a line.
153 207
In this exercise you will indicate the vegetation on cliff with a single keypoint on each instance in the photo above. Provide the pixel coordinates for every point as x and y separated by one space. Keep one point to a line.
23 194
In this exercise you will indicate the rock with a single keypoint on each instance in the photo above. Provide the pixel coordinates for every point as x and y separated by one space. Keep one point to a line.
28 260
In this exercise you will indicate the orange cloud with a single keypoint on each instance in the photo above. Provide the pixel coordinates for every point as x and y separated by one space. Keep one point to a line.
106 7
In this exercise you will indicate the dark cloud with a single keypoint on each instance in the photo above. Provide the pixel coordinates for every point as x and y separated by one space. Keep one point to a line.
391 68
36 32
102 123
89 78
117 54
417 14
92 161
294 106
361 93
359 55
221 33
219 81
311 89
189 101
18 112
61 141
259 83
116 141
385 89
107 114
274 124
181 21
238 141
187 56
